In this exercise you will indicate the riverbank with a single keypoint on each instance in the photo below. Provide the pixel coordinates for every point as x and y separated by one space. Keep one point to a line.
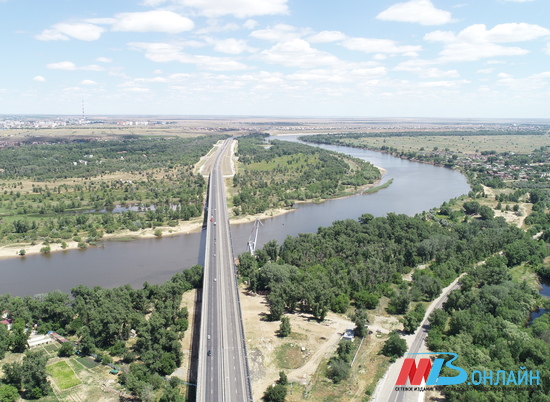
186 227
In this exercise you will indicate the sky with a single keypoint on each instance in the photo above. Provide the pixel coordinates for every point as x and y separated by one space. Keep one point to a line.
326 58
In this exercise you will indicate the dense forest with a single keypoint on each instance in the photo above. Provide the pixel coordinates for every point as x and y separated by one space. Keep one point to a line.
59 192
280 173
356 263
101 322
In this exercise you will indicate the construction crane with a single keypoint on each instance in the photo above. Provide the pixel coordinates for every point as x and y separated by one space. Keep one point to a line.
254 236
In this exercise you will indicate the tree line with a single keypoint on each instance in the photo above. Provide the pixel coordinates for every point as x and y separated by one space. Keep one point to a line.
102 321
281 172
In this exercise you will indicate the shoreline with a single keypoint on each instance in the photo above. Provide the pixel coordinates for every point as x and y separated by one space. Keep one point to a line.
186 227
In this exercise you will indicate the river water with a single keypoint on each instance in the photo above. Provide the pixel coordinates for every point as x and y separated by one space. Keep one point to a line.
545 292
416 187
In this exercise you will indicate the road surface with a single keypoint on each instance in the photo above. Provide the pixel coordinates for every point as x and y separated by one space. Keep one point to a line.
385 391
223 373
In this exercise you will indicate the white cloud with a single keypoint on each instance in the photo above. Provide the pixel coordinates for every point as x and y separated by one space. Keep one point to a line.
39 78
88 82
62 65
280 33
152 21
250 24
534 83
77 30
166 52
383 46
442 84
214 26
237 8
437 73
417 11
464 51
104 60
518 1
231 46
297 53
477 42
485 70
327 36
503 33
70 66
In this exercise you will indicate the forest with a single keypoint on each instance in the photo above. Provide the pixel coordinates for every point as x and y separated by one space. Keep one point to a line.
351 265
280 173
68 191
100 322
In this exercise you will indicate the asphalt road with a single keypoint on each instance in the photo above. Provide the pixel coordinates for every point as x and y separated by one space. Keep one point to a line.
223 373
388 392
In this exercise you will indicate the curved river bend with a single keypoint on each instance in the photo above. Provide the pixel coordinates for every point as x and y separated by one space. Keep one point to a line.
416 187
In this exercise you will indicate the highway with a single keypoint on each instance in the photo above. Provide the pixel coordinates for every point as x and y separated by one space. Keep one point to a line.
223 373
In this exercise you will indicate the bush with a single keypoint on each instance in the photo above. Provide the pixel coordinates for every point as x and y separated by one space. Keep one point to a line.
395 346
284 329
8 393
338 370
45 250
276 393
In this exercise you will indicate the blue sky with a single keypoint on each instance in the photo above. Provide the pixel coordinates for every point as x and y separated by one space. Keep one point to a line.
418 58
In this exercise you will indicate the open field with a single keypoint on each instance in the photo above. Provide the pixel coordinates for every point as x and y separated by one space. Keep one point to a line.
458 144
63 376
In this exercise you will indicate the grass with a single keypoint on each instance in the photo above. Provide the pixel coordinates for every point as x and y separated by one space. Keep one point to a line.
524 273
378 188
458 144
63 375
87 362
289 356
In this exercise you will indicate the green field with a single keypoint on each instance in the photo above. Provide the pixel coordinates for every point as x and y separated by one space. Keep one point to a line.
87 362
459 144
63 375
289 356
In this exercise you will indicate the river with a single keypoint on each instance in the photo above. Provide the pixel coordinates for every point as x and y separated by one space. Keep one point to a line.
416 187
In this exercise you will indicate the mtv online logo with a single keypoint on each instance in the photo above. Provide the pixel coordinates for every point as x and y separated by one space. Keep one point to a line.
430 372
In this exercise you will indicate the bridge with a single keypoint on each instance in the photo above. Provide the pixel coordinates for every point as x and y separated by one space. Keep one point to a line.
223 373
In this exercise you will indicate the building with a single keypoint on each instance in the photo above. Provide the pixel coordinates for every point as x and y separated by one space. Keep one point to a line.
349 335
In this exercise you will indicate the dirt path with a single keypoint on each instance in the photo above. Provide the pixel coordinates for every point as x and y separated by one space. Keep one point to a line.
315 340
325 350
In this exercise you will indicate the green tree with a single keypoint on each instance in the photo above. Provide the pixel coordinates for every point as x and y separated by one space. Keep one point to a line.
66 350
486 212
438 319
35 379
338 370
361 319
365 299
340 303
8 393
395 346
284 328
275 393
345 350
283 379
4 340
19 336
471 207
